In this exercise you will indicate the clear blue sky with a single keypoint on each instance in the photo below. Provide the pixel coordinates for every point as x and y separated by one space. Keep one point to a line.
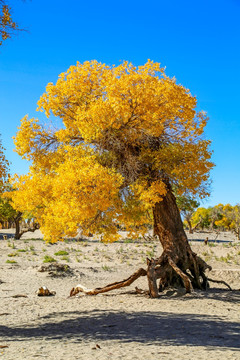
197 41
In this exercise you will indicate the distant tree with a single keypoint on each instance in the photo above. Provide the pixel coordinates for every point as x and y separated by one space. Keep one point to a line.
12 216
215 214
201 218
130 134
187 205
230 219
8 213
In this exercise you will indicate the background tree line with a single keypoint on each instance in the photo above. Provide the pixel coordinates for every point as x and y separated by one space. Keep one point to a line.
217 218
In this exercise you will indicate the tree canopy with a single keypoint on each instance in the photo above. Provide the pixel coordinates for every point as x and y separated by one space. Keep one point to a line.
128 134
7 25
4 167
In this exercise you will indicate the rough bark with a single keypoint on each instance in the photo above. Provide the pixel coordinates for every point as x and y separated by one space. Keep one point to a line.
18 233
113 286
179 264
190 226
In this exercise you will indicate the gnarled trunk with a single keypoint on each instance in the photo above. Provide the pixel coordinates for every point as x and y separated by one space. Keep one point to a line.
178 265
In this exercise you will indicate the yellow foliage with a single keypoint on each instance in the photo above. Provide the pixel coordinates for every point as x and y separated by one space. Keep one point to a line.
127 133
230 219
7 25
4 164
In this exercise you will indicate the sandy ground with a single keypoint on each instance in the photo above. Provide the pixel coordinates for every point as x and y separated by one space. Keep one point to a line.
119 324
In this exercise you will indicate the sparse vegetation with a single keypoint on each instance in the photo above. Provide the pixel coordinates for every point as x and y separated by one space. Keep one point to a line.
11 245
11 262
61 252
106 268
12 254
65 258
49 259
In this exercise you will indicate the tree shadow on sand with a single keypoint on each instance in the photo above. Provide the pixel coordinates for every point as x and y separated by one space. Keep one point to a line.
9 235
229 297
161 328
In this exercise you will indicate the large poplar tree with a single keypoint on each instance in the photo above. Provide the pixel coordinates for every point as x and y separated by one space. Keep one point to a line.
129 135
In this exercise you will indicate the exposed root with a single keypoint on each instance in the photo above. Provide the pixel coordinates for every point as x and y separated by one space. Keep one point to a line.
140 291
184 277
113 286
196 270
152 278
169 273
220 282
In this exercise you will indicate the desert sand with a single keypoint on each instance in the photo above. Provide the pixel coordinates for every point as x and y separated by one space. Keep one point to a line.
120 324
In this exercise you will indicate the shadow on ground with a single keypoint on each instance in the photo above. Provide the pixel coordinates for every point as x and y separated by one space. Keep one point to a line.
143 327
9 235
211 294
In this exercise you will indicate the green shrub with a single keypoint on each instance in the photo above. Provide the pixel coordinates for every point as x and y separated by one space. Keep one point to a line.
11 262
61 252
48 259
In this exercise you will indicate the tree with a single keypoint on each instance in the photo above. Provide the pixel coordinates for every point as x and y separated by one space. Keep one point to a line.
7 213
215 214
7 25
4 167
201 218
12 216
187 206
129 135
230 219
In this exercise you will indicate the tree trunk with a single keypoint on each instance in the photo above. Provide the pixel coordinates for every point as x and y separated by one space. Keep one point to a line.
178 265
17 220
190 226
17 229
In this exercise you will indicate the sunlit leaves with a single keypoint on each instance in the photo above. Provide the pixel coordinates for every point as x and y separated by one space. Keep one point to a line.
4 167
219 217
7 25
126 133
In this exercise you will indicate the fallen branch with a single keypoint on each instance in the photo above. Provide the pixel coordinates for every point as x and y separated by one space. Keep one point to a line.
116 285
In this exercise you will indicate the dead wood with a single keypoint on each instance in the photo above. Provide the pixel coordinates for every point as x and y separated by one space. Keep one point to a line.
44 291
113 286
